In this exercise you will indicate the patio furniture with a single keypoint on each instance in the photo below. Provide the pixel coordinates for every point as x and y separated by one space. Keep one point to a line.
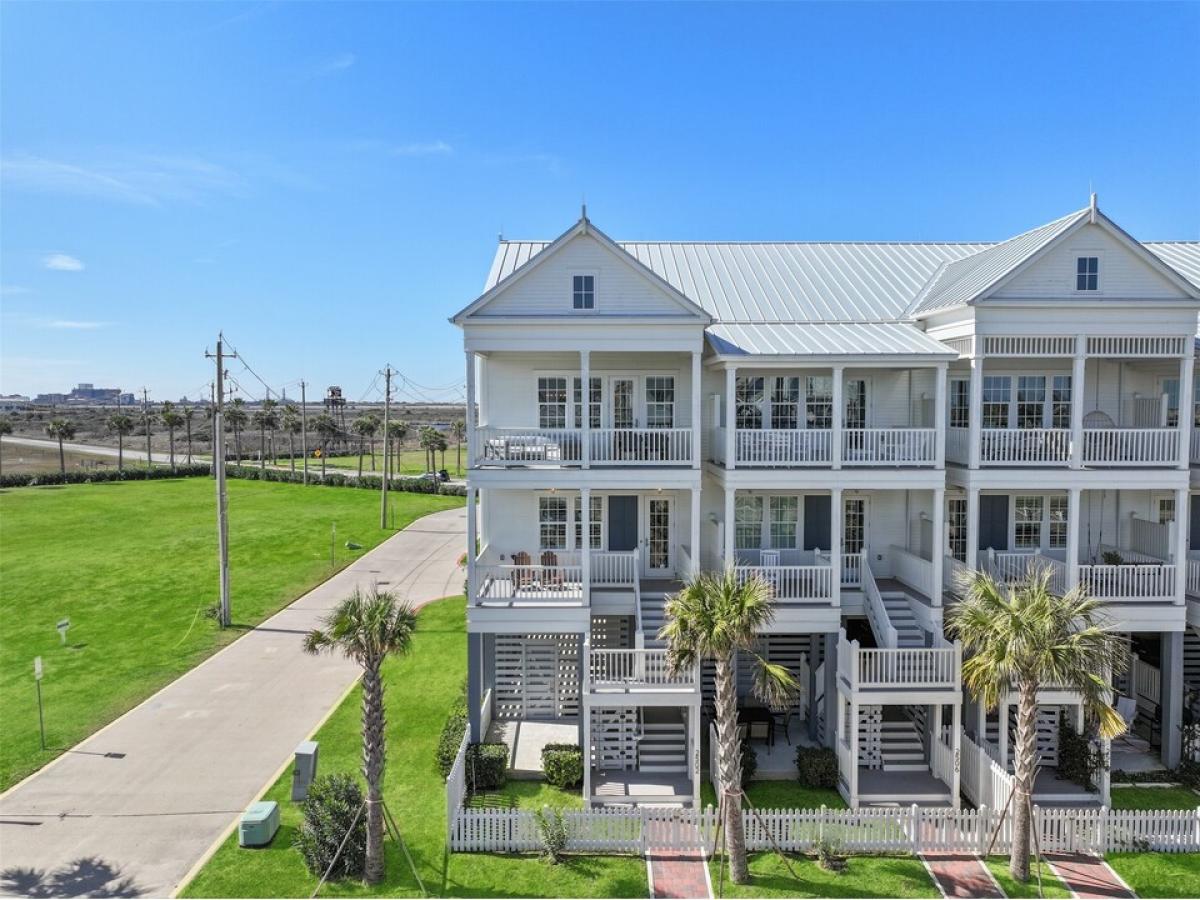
762 731
552 575
759 722
522 576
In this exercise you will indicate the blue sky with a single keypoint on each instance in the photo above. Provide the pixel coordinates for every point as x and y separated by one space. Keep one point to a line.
326 182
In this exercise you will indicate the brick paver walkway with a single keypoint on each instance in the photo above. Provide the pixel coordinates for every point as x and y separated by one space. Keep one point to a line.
962 875
679 873
1088 876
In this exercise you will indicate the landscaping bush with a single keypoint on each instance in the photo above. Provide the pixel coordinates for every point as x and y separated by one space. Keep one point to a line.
1078 761
100 476
749 762
553 832
339 479
563 764
487 766
817 767
333 802
452 733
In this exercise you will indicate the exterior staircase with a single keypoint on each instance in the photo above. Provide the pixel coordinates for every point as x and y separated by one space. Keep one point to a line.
663 745
652 604
899 610
900 746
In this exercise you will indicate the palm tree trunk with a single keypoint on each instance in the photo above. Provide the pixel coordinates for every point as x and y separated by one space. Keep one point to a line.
1024 761
120 452
262 449
292 450
373 760
171 444
188 425
372 454
237 444
62 459
324 453
458 457
731 770
361 450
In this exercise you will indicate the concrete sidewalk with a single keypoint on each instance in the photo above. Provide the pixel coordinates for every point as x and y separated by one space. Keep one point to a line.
130 810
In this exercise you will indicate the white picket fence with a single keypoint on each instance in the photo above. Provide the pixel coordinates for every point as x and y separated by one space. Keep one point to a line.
456 784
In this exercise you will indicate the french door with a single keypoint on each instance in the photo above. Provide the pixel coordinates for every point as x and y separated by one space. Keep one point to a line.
659 518
623 397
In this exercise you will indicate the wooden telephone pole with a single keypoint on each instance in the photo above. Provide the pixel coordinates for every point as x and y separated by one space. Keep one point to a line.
224 614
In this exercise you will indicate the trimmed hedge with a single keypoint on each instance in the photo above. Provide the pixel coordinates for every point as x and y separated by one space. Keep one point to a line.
817 767
99 476
332 806
487 766
452 733
563 764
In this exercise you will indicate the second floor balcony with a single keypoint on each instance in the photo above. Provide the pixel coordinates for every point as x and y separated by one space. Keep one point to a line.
576 446
554 578
1056 446
814 447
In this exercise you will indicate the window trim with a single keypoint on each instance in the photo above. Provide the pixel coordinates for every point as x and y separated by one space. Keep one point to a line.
1044 526
1048 402
594 274
1082 253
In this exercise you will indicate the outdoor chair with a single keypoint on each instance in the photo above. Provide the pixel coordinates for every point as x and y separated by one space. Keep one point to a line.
522 576
760 729
552 575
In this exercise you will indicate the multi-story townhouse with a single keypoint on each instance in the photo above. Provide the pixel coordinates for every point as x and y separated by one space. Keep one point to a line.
856 423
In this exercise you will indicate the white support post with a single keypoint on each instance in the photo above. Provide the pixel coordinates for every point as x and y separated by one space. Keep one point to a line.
939 415
1002 733
853 774
972 528
471 450
695 536
939 544
727 550
586 715
697 764
1182 514
1078 368
585 543
697 431
835 547
730 417
1187 388
975 423
472 540
839 415
956 749
1073 532
585 410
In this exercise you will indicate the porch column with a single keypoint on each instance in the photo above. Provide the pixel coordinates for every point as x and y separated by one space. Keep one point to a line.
697 430
695 537
939 415
730 417
585 408
975 422
831 705
1183 518
852 775
1078 367
973 528
727 550
839 415
470 408
1171 697
813 688
585 543
1073 531
472 541
956 751
585 741
835 547
1187 370
939 544
475 676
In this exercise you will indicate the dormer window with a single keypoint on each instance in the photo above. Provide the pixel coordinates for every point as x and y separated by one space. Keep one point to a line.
1087 273
583 291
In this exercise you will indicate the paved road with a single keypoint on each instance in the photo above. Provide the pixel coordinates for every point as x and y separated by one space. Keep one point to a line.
145 798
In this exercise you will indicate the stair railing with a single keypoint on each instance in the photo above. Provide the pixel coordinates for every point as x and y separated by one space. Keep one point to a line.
877 614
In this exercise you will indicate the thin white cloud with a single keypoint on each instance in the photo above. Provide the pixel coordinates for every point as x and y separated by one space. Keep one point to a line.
61 262
143 179
75 324
430 148
334 64
11 290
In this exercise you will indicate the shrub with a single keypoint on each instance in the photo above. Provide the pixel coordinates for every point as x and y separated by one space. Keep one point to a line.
749 762
339 479
333 802
487 766
101 476
817 767
1078 760
452 733
553 832
563 764
1112 558
830 856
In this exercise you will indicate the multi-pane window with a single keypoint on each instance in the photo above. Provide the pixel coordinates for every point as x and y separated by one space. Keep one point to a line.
552 523
1027 527
960 403
1087 273
818 401
748 520
660 401
1058 521
856 403
1031 400
552 402
785 516
1166 510
583 291
595 405
997 392
785 402
749 402
1170 387
854 525
595 523
956 525
1060 402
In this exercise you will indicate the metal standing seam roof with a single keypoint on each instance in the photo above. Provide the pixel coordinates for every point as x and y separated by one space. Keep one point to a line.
1182 256
823 339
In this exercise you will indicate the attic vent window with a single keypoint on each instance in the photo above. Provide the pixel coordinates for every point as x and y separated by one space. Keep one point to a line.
1087 273
583 291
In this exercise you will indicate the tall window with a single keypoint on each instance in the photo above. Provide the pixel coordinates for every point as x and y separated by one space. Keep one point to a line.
749 402
595 523
960 403
1031 400
583 291
552 523
552 402
1027 530
660 401
595 406
854 525
1087 273
748 520
956 524
785 402
1170 387
1058 521
818 401
997 393
1060 403
856 403
1166 510
785 514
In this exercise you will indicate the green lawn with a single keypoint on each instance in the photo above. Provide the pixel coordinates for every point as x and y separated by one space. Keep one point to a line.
529 795
131 564
1052 888
1155 798
780 795
412 462
420 689
864 876
1159 874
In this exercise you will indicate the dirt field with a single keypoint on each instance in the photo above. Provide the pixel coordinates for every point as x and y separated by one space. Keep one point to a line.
19 459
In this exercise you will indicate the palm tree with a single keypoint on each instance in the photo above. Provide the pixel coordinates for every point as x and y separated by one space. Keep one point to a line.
458 429
397 431
120 424
62 430
270 410
291 425
328 430
715 615
368 629
1019 638
6 427
378 424
428 439
147 418
172 419
235 418
265 419
189 412
363 426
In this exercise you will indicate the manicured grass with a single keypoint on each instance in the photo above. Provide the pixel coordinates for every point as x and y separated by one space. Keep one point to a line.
1155 798
780 795
420 689
529 795
134 566
411 462
864 876
1159 874
1051 886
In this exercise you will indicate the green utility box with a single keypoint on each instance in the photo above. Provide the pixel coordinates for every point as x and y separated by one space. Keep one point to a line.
259 824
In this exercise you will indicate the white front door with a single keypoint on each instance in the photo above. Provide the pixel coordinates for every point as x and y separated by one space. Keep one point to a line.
658 557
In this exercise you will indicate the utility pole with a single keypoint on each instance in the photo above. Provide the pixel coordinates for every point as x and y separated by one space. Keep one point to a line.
224 616
146 422
387 409
303 431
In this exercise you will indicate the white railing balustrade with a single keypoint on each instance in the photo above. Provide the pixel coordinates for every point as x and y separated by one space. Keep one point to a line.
1194 456
498 446
877 615
1137 582
913 570
1131 446
614 566
1193 577
641 446
793 583
852 566
889 446
530 584
958 445
941 760
907 667
1011 568
783 447
1025 446
955 574
716 444
625 670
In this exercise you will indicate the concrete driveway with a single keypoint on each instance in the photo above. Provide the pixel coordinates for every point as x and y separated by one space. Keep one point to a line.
133 808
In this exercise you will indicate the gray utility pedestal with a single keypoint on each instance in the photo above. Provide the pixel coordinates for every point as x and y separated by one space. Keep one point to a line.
259 824
305 769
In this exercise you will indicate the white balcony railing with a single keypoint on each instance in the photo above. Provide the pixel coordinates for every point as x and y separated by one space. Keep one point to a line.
783 447
1137 582
877 614
958 445
1194 456
934 668
614 567
564 446
812 584
889 446
530 583
626 670
1193 577
1025 446
1010 568
1131 446
913 570
641 446
498 446
852 564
